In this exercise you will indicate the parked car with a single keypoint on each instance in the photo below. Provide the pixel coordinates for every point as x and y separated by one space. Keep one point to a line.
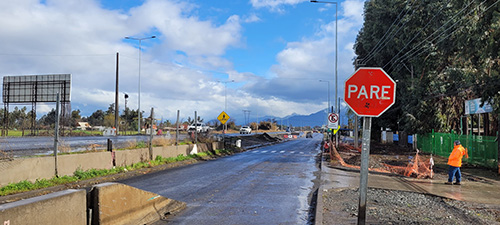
245 130
199 127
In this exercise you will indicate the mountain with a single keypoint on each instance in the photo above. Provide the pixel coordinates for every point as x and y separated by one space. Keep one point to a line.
312 120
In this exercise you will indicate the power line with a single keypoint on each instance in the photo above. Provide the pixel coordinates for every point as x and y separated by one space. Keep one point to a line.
414 52
421 45
420 32
377 47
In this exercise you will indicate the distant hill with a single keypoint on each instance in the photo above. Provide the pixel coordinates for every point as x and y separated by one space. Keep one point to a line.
315 119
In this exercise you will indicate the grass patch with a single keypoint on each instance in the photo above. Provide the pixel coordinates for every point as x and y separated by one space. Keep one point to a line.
79 174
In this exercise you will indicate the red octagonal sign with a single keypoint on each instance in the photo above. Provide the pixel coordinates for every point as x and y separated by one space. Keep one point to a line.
370 92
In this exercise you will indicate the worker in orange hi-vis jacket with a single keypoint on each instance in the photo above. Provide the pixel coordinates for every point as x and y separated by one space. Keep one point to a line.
455 162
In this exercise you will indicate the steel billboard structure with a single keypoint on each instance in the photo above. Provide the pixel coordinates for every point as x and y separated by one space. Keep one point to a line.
34 89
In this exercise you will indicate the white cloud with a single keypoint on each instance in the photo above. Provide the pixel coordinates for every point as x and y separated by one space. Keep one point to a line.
353 10
252 18
274 5
81 38
314 57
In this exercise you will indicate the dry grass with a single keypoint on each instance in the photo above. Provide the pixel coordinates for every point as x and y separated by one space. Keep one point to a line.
63 147
130 144
92 148
6 155
163 141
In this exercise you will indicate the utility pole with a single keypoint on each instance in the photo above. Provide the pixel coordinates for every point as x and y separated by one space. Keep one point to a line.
195 128
177 129
151 134
117 111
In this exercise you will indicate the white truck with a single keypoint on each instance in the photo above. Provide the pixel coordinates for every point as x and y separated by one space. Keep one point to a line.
199 128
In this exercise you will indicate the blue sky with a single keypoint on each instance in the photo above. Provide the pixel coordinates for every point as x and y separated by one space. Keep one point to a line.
276 51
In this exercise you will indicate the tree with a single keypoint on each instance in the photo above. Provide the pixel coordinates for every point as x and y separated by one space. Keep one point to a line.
191 121
97 118
75 117
439 62
49 119
111 109
265 125
109 120
254 126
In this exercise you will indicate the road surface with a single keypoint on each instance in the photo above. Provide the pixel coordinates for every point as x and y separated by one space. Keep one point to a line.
268 185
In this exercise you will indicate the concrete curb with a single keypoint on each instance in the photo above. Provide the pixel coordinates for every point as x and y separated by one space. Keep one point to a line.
318 217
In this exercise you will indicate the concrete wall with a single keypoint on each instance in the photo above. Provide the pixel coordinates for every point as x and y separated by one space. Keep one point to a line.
171 151
58 208
67 164
31 169
129 157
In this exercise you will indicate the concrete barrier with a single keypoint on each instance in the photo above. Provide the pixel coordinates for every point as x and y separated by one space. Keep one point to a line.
170 151
68 164
129 157
114 203
29 169
32 169
58 208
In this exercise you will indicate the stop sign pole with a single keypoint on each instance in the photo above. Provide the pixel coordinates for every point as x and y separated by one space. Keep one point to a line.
369 92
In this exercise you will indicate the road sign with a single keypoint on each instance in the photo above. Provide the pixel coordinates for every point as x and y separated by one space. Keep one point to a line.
336 130
223 117
333 120
370 92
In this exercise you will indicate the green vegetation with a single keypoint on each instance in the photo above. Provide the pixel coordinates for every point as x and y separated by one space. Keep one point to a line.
441 53
79 174
141 144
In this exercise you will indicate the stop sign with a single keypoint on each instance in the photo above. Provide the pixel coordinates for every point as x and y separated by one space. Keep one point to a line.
370 92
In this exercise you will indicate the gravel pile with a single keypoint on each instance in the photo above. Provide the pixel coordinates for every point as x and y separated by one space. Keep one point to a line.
399 207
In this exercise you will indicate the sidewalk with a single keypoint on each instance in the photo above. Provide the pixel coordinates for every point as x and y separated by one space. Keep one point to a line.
487 191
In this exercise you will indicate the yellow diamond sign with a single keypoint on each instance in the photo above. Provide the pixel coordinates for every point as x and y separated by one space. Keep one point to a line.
223 117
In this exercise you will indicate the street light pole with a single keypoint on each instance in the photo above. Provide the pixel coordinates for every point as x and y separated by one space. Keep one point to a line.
139 93
225 99
336 49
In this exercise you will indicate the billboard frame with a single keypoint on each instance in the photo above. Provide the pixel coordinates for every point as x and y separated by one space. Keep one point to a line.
34 89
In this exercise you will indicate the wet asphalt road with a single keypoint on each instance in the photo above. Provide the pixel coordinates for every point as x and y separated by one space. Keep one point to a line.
268 185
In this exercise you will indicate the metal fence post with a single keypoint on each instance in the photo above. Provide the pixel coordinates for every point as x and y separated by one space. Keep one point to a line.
56 134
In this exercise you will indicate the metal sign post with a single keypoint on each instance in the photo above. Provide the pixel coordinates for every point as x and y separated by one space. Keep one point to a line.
223 118
369 92
363 182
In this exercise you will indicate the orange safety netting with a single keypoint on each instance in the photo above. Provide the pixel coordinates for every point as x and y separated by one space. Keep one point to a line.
415 168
